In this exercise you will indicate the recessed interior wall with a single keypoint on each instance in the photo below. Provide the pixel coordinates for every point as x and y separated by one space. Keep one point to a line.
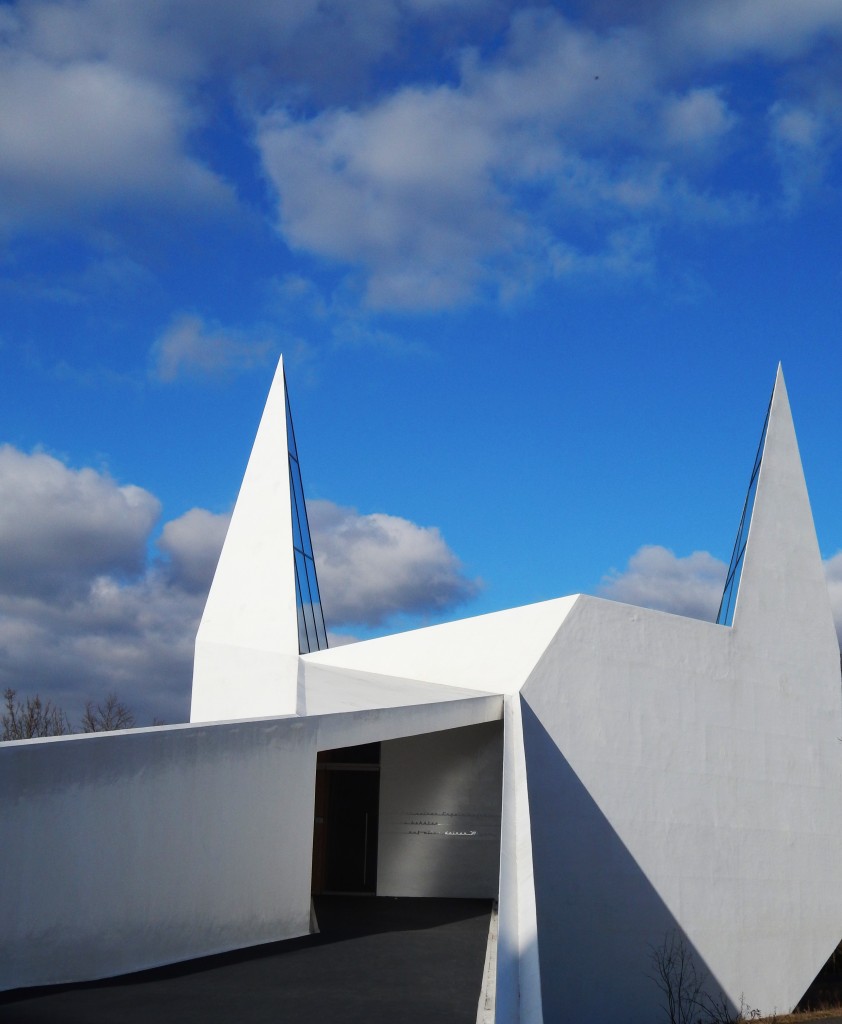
440 804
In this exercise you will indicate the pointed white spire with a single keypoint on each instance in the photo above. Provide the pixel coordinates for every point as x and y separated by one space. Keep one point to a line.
246 660
782 586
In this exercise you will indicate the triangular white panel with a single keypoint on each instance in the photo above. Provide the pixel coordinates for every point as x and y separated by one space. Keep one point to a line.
783 592
493 652
247 645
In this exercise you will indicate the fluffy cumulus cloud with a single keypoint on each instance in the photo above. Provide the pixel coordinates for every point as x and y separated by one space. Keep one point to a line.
189 347
657 578
192 544
692 585
82 610
439 191
60 528
85 610
374 566
76 136
535 156
101 101
436 150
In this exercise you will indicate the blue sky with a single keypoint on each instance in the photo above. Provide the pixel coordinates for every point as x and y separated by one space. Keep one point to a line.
531 267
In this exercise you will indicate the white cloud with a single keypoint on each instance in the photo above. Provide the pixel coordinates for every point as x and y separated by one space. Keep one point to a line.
176 40
799 139
84 136
436 193
781 29
85 611
697 120
100 100
82 612
400 191
833 574
60 528
340 639
372 567
657 578
188 347
135 639
558 138
193 543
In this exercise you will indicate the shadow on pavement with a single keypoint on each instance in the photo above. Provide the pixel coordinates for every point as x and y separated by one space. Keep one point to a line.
376 960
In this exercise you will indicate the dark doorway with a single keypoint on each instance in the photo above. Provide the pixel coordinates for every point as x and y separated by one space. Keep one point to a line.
346 820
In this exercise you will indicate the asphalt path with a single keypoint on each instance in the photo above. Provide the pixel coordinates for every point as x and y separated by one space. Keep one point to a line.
376 961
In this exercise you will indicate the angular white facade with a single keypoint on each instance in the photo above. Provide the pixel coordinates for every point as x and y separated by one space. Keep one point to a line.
616 775
247 644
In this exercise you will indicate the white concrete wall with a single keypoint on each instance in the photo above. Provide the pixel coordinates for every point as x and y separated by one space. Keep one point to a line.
518 978
686 776
122 851
440 801
682 776
126 851
679 780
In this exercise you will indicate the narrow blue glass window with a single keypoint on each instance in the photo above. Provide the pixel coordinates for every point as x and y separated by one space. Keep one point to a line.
312 635
725 615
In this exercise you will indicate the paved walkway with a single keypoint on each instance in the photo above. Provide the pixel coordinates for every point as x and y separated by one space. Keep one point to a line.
376 961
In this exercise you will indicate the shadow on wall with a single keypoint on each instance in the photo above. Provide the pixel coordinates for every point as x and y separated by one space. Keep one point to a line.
599 918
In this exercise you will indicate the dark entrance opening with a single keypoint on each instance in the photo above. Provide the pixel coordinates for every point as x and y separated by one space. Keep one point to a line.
346 820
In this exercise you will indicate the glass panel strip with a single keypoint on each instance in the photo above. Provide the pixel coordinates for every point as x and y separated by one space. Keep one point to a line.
725 615
312 633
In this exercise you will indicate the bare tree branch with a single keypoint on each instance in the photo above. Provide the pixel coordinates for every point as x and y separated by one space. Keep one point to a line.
32 716
107 716
23 720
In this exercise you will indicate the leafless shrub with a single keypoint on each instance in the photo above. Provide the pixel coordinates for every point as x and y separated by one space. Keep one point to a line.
686 1000
107 716
32 716
674 972
23 720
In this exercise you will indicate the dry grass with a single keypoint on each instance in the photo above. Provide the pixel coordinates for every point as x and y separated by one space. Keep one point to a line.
804 1016
821 1001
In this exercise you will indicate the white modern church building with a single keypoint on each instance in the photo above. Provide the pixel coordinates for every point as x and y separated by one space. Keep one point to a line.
611 775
